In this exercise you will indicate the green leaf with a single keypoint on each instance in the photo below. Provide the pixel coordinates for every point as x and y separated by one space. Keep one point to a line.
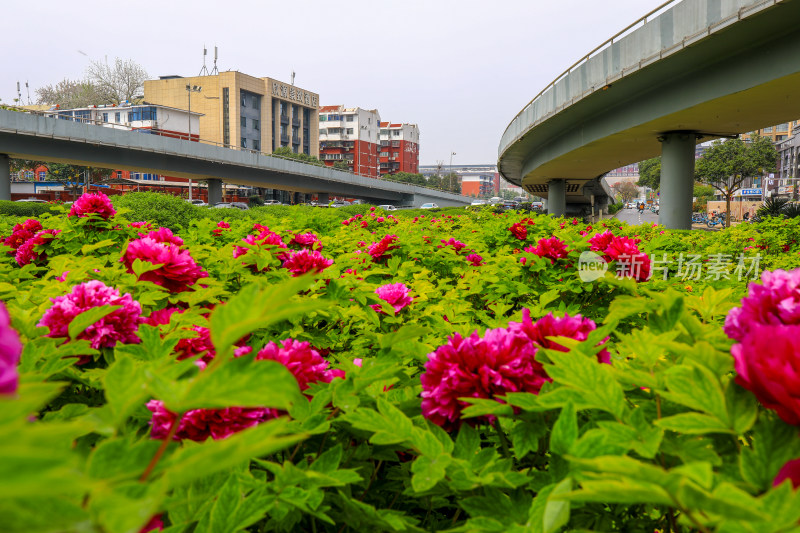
773 444
89 317
428 471
556 511
525 436
742 406
86 248
696 387
565 431
693 424
124 388
468 443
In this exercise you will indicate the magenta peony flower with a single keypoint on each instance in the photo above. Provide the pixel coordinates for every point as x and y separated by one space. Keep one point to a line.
767 362
395 294
27 253
378 250
303 361
306 240
552 248
790 471
457 245
156 523
775 301
200 424
474 367
163 235
221 227
600 241
519 230
93 204
10 350
119 326
575 327
194 346
161 316
22 232
140 225
302 261
631 263
265 238
475 260
178 270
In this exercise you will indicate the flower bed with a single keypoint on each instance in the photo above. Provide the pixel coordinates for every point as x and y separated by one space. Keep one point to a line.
301 370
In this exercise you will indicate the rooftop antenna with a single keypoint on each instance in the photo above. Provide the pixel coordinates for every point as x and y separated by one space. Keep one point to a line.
204 70
27 88
19 94
215 70
292 77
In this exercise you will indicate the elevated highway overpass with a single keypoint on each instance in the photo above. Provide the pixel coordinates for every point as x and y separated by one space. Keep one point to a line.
688 71
29 136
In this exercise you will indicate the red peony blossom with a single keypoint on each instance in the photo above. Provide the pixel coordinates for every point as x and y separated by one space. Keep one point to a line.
221 227
267 237
10 351
378 250
631 263
457 245
140 225
27 253
303 361
552 248
177 270
775 301
93 204
475 260
306 240
790 471
302 261
194 346
200 424
161 316
519 230
575 327
395 294
600 241
22 232
491 366
156 523
767 363
119 326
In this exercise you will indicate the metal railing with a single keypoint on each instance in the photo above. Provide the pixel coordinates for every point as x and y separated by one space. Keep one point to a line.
645 61
197 139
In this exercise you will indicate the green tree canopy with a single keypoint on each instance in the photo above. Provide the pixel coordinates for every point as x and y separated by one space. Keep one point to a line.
650 173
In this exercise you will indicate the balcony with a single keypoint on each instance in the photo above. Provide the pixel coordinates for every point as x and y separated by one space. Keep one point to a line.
295 140
284 138
295 121
284 119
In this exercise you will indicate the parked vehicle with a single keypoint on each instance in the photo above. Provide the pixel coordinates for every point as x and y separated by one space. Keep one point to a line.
387 207
36 200
197 201
273 202
478 202
429 205
232 205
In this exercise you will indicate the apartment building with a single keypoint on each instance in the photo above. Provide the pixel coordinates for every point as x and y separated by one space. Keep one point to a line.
350 135
238 110
399 148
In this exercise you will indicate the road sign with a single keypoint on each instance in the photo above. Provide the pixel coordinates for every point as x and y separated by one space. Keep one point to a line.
751 192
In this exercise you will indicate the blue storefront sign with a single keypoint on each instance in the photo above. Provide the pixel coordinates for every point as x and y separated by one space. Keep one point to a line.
751 192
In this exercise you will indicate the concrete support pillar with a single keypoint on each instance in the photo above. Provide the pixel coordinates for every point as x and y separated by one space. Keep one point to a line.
557 197
677 179
322 198
5 177
214 191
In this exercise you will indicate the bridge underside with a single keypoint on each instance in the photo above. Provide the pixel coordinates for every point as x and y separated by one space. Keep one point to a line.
741 78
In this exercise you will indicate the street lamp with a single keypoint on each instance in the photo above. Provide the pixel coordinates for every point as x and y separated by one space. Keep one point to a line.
450 180
189 90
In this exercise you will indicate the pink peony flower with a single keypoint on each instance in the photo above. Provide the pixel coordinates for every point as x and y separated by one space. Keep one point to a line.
93 204
163 235
575 327
790 471
475 260
500 362
600 241
552 248
306 240
200 424
197 345
457 245
27 253
378 250
775 301
161 316
221 227
267 237
119 326
155 524
10 351
632 263
767 363
140 225
303 261
395 294
519 230
177 270
22 232
303 361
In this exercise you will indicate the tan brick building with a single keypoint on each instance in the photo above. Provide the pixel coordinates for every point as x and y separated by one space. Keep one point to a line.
238 110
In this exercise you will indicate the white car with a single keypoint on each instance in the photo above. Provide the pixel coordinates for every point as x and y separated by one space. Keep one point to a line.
197 201
429 205
478 202
387 207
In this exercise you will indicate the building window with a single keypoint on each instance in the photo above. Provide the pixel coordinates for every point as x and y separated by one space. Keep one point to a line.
256 124
396 133
256 145
350 118
244 142
256 102
105 117
323 132
244 122
142 113
226 129
243 98
284 130
384 154
349 131
116 118
768 130
41 174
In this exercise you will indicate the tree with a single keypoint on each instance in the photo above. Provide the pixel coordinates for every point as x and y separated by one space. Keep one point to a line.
626 190
702 193
68 94
725 165
114 84
341 165
650 173
285 151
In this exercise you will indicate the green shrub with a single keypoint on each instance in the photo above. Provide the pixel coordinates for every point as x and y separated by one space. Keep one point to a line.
615 208
24 209
160 209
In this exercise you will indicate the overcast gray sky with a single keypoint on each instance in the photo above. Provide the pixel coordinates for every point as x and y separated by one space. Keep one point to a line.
459 69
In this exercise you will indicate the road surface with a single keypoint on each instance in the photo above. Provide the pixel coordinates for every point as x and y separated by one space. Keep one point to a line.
632 216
